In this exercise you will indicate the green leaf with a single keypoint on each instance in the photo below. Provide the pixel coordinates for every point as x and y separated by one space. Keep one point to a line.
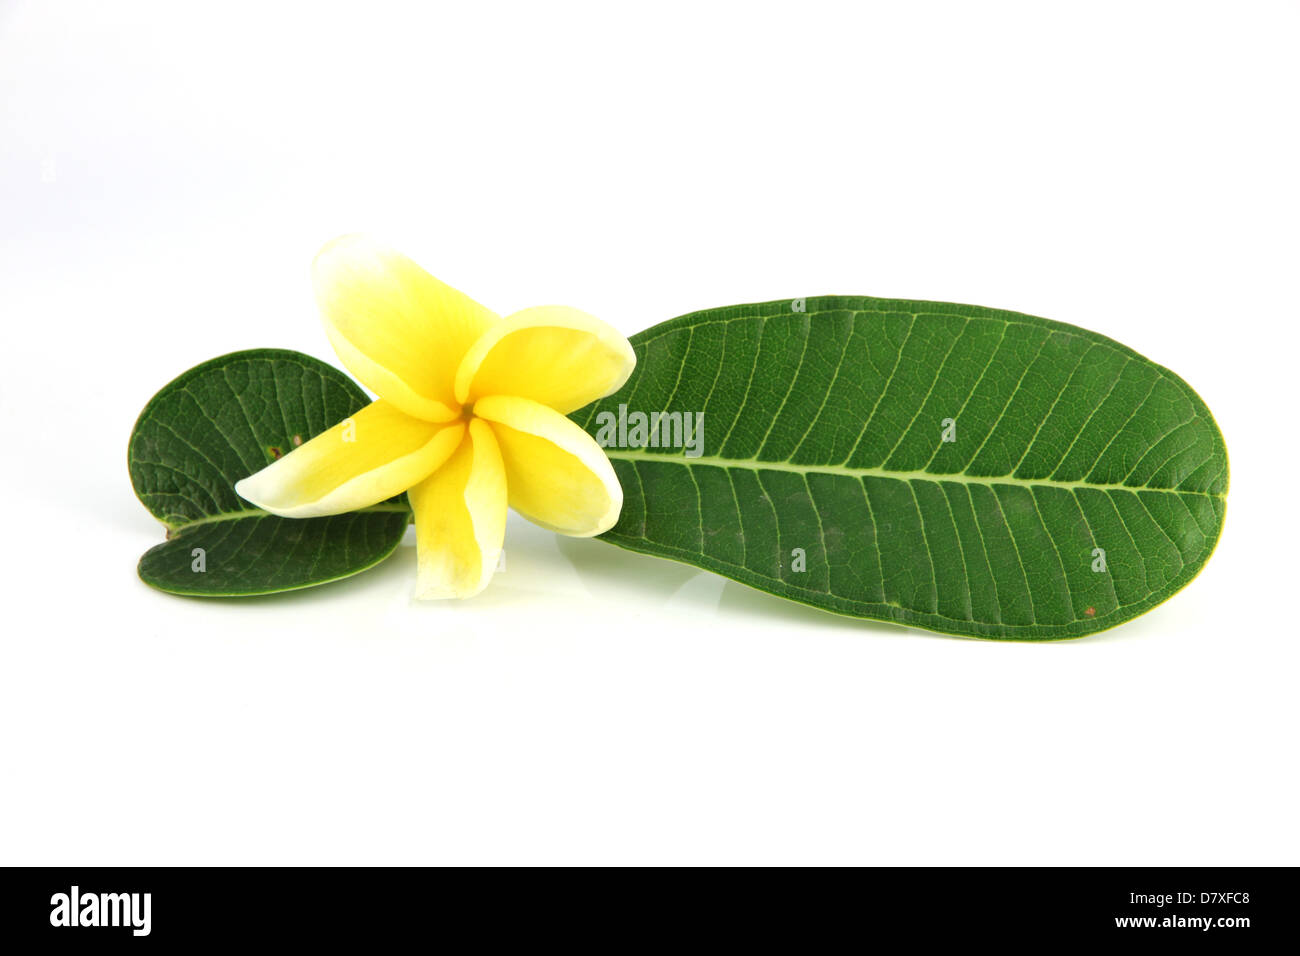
220 422
823 436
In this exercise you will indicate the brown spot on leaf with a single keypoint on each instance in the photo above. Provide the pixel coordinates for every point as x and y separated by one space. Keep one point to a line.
275 452
1090 612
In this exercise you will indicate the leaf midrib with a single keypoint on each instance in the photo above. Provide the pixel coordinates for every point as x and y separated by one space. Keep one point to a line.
385 508
757 464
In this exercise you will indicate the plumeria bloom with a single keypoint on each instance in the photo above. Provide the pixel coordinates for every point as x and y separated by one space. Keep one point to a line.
470 416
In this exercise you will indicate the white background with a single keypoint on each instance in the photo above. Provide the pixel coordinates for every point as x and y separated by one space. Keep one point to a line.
167 174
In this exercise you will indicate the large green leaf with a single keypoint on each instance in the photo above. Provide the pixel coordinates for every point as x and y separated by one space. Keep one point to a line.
218 423
824 476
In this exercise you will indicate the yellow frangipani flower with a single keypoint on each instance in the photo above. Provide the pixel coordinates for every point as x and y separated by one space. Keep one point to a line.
470 416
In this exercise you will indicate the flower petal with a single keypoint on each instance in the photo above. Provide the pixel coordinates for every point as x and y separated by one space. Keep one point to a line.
460 519
377 453
552 354
557 476
396 328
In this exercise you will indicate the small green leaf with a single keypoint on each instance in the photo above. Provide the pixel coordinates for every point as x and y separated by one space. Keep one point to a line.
962 469
220 422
